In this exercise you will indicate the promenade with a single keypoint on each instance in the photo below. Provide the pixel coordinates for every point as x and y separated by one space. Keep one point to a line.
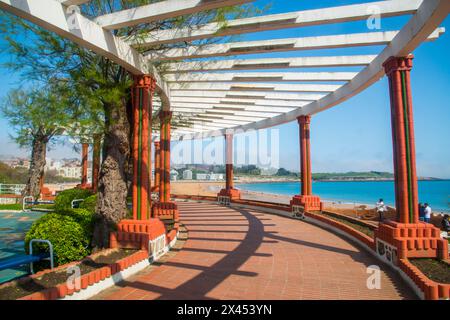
246 254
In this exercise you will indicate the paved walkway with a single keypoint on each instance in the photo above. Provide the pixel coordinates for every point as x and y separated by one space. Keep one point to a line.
246 254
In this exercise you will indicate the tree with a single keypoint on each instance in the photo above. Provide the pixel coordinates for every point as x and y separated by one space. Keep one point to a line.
37 116
103 85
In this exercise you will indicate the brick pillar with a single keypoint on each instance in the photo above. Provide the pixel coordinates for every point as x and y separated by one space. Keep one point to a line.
157 178
406 198
165 209
96 162
306 199
142 96
229 190
407 237
84 164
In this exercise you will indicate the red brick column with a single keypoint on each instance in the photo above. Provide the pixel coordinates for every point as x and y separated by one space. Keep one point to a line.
157 178
407 237
84 164
165 208
142 97
96 162
406 198
229 190
305 199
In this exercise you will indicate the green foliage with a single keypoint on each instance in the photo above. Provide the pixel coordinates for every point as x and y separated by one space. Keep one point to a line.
10 175
70 242
352 175
37 113
89 203
64 199
248 170
283 173
84 217
15 206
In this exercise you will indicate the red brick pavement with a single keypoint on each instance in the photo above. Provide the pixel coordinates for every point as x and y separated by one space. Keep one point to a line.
246 254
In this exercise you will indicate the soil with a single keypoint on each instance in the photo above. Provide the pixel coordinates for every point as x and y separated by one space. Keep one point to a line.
25 286
434 269
363 229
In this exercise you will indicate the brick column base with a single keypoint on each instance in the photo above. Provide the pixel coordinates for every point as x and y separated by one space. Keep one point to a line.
233 194
309 203
166 210
395 240
136 234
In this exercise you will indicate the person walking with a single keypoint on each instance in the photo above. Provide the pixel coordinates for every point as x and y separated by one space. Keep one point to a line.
421 212
381 208
427 213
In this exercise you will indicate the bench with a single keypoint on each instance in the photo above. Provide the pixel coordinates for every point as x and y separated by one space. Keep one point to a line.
28 259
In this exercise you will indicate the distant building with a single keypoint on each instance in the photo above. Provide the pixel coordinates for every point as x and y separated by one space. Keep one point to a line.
201 176
210 176
187 175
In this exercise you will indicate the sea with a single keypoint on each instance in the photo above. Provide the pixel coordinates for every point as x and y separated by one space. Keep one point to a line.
434 192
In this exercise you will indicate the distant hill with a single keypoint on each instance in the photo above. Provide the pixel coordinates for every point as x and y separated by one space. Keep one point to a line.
350 176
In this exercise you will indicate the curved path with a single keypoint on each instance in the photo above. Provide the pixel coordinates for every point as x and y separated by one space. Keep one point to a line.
246 254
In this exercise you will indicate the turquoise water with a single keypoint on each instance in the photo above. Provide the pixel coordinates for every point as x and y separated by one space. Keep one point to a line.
13 227
436 193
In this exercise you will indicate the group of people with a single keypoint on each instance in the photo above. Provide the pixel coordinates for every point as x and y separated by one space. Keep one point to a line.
424 214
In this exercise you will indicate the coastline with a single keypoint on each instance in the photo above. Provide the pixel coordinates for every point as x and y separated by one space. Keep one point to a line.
211 188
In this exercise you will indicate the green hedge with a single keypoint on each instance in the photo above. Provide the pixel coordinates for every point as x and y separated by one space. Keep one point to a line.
69 238
90 203
64 199
84 217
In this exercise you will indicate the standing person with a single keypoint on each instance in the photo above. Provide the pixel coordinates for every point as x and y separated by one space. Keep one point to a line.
381 208
427 213
421 212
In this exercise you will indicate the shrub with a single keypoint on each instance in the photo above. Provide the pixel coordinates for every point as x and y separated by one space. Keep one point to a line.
64 199
89 203
70 242
84 217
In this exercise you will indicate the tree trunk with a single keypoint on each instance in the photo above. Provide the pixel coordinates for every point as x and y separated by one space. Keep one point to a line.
112 188
36 171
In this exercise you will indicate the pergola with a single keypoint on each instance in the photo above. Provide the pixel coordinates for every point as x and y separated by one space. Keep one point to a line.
221 94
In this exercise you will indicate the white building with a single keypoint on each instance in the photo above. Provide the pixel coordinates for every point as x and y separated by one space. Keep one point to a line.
201 176
187 175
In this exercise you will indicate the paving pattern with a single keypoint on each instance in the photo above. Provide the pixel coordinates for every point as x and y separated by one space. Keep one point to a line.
246 254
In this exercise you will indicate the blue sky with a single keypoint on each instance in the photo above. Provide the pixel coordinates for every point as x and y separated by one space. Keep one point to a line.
355 135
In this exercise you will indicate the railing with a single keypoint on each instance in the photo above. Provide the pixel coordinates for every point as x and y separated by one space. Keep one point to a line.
11 188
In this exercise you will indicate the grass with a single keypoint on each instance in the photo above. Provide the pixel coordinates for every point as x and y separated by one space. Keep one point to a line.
436 270
361 228
15 206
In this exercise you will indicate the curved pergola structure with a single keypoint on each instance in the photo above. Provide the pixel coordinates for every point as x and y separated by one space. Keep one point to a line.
220 95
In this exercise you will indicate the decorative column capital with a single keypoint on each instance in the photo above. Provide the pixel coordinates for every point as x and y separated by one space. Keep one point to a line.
165 115
304 119
145 81
398 64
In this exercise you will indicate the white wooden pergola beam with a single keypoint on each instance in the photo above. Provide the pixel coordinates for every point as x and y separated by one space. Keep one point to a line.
226 113
51 15
192 107
236 103
259 77
427 18
161 11
246 95
255 87
73 2
283 21
269 63
279 45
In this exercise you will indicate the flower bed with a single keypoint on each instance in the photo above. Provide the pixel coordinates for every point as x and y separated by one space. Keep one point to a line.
51 284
